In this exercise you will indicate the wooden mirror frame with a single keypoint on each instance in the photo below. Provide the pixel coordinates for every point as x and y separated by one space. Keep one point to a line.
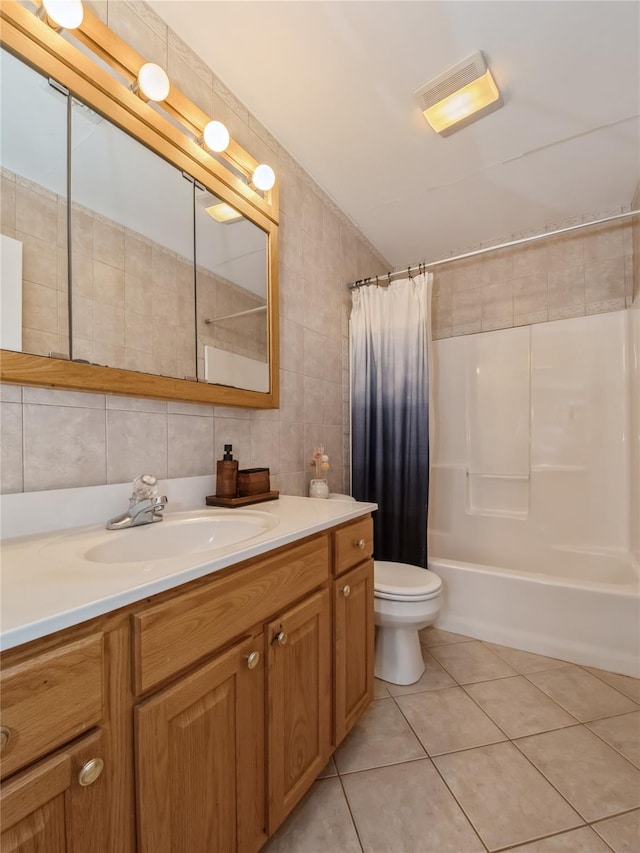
44 49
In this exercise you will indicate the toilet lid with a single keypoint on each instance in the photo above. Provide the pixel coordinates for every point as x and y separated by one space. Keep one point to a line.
403 582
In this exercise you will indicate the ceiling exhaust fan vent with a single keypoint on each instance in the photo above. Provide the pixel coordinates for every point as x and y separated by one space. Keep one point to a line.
451 80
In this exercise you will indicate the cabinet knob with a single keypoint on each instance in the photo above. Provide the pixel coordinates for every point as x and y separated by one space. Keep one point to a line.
90 772
5 736
360 544
346 590
280 638
253 660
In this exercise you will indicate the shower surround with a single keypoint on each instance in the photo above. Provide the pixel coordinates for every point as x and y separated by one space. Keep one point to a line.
534 517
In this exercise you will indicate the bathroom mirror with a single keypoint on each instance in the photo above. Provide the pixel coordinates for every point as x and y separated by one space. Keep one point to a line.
167 298
33 159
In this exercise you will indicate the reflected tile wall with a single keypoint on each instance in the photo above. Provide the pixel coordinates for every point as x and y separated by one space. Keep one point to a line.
109 439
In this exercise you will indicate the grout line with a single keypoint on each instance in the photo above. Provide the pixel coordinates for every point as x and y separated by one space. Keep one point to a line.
611 746
542 693
599 677
509 740
353 820
546 778
584 725
429 758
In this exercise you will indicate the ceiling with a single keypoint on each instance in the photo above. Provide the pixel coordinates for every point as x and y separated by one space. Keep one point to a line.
333 83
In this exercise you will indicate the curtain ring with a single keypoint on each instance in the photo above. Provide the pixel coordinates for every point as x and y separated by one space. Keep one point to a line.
409 273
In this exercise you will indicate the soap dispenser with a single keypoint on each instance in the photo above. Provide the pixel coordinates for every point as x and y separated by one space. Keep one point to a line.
227 475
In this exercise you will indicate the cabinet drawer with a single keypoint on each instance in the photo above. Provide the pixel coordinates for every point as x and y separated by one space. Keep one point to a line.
352 544
48 700
170 636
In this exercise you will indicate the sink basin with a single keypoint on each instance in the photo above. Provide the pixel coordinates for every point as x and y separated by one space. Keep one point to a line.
177 535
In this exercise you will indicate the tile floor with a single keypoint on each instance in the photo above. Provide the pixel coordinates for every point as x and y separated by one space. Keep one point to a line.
493 749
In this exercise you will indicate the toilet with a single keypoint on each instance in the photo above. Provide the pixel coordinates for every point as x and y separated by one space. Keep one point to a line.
406 599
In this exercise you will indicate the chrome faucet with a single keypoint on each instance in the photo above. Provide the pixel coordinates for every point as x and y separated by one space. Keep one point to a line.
145 505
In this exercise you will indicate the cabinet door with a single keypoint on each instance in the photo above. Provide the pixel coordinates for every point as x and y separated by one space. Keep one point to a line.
354 646
200 758
59 805
299 702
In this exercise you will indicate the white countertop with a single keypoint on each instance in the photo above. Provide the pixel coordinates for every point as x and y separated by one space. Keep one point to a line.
47 585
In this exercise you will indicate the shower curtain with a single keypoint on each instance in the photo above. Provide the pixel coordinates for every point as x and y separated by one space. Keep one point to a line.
390 333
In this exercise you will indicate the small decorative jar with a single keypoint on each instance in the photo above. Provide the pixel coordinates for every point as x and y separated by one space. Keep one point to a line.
319 488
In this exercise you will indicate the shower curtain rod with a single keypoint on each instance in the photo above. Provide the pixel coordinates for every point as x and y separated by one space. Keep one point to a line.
427 265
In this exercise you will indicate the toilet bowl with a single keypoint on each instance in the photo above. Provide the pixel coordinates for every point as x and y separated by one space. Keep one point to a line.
406 599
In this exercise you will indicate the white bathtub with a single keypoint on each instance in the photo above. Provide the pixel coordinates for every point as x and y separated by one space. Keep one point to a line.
582 620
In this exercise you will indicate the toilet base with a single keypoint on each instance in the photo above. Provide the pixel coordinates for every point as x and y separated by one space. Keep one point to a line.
398 655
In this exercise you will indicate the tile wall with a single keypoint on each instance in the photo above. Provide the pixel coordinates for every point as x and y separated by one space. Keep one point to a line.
57 439
585 272
110 439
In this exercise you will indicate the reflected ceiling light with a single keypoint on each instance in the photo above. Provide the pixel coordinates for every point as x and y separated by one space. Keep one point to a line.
215 136
223 213
152 83
263 177
459 96
62 14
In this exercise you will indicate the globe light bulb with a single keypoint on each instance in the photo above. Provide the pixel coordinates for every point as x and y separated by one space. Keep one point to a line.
264 177
153 82
66 14
216 136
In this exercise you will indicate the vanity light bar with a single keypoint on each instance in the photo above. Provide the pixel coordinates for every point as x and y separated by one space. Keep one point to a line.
212 135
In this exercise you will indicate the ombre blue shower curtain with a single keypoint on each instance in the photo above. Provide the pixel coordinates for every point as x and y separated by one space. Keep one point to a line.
390 332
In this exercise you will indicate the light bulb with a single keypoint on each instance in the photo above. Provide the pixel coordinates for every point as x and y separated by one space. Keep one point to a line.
263 177
216 136
153 82
67 14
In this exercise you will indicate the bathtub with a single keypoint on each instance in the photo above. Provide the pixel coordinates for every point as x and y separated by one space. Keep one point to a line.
563 613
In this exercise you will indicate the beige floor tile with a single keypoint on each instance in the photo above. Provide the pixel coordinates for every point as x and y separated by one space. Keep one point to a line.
593 777
447 720
583 840
518 707
505 798
321 822
380 689
624 683
581 694
436 637
622 733
329 770
381 737
470 662
433 678
524 662
622 833
407 809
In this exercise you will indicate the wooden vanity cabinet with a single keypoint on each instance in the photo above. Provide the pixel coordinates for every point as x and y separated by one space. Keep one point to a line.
213 707
61 804
66 764
354 630
299 702
200 757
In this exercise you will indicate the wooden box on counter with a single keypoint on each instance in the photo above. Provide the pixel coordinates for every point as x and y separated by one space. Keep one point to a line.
253 481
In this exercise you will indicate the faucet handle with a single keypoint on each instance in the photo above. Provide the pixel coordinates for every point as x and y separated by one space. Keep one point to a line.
144 487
